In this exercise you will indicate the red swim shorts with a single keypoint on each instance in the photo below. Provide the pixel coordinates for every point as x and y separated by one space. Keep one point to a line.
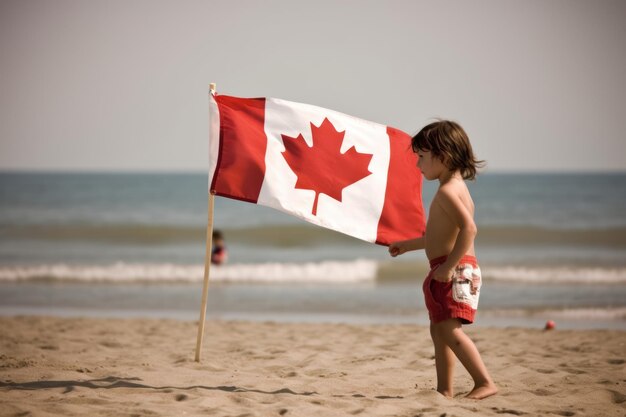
457 298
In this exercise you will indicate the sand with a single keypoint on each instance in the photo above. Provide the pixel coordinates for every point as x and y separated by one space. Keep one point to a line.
145 367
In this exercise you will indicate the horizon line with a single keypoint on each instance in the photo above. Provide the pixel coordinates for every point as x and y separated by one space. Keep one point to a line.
205 172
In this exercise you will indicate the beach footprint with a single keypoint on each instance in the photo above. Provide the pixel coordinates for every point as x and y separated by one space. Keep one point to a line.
508 411
617 397
541 392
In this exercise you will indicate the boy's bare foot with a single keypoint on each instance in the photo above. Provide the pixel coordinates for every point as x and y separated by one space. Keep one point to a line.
446 393
483 391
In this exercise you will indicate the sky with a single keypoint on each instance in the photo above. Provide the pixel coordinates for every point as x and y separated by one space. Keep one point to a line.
121 85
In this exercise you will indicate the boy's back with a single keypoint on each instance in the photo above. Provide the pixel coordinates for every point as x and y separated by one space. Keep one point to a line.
442 227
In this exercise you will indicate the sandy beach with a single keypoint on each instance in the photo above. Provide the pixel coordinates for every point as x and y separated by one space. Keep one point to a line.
144 367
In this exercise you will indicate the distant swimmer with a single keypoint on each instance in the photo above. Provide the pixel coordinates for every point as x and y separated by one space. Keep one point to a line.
219 254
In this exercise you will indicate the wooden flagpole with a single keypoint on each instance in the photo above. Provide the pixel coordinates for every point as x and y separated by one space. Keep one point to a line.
207 263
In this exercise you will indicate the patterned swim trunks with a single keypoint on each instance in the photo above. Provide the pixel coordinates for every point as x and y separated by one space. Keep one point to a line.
457 298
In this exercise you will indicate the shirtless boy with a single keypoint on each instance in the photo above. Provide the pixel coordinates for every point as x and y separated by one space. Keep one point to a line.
452 287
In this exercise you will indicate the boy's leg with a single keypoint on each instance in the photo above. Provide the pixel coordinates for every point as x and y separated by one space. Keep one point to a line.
444 363
464 349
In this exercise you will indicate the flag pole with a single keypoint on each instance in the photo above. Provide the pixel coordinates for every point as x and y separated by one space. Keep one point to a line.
207 263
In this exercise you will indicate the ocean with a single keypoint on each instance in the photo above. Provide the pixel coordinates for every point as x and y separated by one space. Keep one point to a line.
551 246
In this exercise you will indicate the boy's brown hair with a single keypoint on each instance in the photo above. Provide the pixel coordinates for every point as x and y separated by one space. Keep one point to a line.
448 141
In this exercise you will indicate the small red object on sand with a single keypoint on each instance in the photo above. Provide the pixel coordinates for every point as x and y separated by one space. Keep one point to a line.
550 325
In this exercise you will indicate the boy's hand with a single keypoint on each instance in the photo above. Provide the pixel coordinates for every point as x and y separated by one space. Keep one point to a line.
396 248
443 274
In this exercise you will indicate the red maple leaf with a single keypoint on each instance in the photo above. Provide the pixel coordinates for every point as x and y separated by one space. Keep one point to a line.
322 167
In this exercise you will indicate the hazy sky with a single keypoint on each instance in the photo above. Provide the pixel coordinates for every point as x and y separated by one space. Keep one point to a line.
122 85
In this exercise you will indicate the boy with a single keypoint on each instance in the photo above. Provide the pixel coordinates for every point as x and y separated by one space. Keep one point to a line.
452 287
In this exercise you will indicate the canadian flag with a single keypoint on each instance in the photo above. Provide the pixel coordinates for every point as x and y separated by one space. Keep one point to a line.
328 168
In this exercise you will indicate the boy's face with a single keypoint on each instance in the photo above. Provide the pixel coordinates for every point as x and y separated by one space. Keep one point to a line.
431 166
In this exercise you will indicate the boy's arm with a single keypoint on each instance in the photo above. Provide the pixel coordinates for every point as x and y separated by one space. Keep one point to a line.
462 218
398 248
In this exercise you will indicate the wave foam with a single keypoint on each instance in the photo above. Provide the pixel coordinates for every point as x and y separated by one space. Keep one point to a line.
311 272
547 275
337 272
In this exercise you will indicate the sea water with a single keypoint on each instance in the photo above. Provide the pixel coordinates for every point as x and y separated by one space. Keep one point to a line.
551 246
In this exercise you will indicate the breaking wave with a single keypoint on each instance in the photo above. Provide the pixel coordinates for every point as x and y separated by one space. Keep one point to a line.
327 272
557 275
389 271
333 272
